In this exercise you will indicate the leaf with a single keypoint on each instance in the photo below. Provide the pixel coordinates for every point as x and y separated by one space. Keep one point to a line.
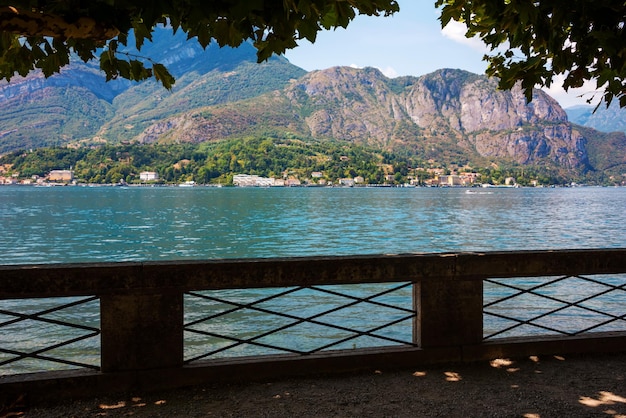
138 71
163 75
123 69
141 33
308 30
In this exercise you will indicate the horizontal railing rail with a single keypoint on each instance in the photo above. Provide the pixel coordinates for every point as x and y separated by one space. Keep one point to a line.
50 280
143 320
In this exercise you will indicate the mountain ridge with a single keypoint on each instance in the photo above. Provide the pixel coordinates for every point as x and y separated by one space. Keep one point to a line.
449 115
448 107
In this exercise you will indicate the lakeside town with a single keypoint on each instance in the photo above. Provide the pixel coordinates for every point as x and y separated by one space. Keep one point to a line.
151 178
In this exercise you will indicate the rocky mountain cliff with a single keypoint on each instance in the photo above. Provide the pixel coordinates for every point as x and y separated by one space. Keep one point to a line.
448 115
454 110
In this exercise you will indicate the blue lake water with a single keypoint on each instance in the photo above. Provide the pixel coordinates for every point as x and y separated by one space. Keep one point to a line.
94 224
84 224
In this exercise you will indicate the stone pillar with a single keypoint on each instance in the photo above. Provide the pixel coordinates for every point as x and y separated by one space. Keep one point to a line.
141 332
449 312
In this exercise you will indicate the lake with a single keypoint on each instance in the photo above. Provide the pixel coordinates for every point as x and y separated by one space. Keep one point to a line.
95 224
89 224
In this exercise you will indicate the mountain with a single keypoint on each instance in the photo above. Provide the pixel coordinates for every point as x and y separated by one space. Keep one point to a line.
78 104
36 112
449 112
611 119
448 116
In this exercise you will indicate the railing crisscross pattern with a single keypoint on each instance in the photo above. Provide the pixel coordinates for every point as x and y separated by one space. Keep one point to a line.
552 301
368 305
13 352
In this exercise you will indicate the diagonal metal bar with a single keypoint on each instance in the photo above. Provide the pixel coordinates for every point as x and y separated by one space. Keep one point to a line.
520 289
519 323
601 324
237 342
565 305
20 355
368 333
575 303
238 306
591 279
356 333
532 290
299 320
37 316
367 300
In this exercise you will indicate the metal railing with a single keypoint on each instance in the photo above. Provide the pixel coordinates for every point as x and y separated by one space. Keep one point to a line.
301 320
562 305
185 323
27 335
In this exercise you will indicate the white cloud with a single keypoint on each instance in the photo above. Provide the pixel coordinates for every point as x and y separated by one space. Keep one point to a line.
573 97
389 72
455 31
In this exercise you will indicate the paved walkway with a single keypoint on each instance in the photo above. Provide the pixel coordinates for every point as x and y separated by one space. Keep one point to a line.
550 386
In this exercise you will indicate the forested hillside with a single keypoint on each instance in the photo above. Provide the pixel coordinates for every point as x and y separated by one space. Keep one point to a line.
286 157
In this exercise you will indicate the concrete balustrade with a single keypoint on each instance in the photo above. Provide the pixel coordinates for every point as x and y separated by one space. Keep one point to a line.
142 310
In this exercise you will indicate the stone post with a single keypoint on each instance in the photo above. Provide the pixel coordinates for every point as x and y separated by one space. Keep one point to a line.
141 332
449 312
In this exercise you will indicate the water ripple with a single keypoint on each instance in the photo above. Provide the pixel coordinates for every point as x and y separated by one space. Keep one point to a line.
76 224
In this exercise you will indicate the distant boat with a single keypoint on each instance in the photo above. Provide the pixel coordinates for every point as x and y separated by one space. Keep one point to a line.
187 184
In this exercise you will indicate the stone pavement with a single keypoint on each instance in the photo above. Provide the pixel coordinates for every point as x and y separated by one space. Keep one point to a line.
546 386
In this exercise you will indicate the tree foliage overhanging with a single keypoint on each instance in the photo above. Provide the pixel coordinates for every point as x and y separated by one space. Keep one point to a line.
43 33
580 39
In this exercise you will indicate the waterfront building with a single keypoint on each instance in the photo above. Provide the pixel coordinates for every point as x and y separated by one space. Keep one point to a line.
61 175
451 180
148 176
247 180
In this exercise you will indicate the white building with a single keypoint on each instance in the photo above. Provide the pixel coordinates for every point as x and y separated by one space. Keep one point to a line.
247 180
148 176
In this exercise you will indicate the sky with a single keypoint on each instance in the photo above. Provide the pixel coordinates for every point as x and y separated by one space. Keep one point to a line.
411 42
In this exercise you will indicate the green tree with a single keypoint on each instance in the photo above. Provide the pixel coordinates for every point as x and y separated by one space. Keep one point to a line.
42 34
580 39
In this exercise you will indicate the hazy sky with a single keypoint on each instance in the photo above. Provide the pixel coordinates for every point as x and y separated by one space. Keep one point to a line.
409 43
